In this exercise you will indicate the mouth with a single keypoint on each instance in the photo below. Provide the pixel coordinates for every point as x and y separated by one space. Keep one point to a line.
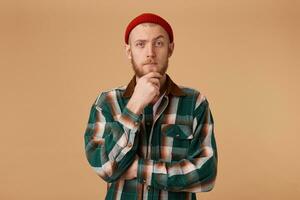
151 64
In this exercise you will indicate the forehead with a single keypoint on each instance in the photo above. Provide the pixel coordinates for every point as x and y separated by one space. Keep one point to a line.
146 31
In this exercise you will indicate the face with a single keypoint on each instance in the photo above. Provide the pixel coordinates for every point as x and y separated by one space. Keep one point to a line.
149 49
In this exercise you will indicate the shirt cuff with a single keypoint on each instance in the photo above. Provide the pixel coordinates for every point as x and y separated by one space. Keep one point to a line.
130 119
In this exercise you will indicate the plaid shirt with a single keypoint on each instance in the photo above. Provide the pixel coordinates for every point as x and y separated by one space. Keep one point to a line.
176 149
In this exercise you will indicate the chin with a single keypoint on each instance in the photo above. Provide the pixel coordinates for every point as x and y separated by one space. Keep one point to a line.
152 69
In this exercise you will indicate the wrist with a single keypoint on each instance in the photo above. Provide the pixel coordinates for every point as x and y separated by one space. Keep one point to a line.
135 107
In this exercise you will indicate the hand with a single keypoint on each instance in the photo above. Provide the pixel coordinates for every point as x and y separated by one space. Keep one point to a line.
147 90
131 172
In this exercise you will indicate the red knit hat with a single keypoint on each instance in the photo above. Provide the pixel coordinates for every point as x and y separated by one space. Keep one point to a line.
152 18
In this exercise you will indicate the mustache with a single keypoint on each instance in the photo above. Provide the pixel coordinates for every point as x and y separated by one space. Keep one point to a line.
149 61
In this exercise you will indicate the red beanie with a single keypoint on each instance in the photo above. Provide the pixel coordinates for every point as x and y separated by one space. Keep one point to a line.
151 18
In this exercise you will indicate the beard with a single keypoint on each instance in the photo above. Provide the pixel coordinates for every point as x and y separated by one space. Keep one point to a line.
139 72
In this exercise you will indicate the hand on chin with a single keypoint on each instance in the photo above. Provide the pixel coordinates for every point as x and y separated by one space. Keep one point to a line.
154 100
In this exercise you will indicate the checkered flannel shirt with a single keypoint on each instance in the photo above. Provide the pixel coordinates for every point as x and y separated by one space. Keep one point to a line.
176 149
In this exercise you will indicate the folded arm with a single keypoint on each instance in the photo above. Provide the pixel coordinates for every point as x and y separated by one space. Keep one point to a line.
110 139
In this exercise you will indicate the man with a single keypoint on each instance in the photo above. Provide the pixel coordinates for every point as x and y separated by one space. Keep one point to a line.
152 139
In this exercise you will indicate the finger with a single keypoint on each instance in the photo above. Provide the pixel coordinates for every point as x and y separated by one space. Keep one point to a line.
156 88
155 81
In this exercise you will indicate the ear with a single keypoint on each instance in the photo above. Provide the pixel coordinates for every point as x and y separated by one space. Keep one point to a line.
128 51
171 49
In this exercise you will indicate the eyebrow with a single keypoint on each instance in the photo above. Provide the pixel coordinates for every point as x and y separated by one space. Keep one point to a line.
160 36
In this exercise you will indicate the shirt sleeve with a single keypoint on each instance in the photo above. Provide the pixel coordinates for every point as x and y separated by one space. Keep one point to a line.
110 139
196 173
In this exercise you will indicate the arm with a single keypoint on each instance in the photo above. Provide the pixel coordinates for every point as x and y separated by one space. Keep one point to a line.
198 171
110 141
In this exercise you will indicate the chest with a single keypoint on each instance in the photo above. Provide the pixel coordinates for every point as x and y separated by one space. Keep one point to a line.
166 135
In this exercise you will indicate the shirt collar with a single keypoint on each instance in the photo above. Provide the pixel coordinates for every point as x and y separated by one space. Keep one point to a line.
171 88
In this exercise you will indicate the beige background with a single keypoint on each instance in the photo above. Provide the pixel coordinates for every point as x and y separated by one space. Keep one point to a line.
58 55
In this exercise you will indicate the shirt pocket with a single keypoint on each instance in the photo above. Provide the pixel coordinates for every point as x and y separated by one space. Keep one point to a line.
175 141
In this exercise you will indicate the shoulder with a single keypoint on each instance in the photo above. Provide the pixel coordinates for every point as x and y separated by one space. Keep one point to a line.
196 95
110 94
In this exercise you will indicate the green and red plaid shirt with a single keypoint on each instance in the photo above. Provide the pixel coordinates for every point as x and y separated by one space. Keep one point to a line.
176 148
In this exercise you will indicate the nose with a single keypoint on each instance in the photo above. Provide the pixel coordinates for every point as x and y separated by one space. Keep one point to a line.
150 51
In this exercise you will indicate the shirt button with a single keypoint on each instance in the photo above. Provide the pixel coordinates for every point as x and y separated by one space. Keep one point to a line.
144 181
177 135
136 123
165 188
129 144
148 123
148 187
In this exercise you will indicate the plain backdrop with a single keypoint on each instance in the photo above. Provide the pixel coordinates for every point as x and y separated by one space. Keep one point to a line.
56 56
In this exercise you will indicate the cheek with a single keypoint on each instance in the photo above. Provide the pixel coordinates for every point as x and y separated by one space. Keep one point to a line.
163 51
137 57
163 55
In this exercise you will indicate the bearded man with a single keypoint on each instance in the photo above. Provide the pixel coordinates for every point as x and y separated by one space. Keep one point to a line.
152 139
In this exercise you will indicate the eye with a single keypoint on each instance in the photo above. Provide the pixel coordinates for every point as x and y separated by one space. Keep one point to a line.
139 44
159 43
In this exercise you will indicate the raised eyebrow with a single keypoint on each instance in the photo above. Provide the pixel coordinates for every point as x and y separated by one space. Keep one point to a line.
158 37
141 40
